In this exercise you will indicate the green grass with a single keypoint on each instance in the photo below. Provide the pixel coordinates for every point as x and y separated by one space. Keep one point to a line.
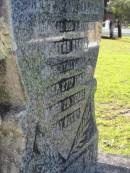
113 96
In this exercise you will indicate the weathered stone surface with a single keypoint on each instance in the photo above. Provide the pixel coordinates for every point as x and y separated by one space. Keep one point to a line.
11 91
115 160
12 142
57 48
3 8
105 168
108 163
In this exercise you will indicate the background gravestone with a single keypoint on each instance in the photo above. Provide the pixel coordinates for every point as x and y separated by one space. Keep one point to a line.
57 48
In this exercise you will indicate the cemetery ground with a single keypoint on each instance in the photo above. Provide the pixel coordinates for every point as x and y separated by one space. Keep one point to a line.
113 96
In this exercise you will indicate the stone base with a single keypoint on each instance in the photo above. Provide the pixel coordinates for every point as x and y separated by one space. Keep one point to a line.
108 163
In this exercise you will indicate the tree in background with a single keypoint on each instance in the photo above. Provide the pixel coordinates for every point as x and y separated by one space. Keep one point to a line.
120 8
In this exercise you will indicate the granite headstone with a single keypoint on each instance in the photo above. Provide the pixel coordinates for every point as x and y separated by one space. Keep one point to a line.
57 48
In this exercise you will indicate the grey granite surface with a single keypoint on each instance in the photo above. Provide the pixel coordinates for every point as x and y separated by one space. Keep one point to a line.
108 163
57 49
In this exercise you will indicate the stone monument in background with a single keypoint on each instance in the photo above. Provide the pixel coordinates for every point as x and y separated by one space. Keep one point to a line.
57 48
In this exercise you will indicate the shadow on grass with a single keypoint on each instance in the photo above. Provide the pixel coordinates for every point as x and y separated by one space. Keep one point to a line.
108 38
124 40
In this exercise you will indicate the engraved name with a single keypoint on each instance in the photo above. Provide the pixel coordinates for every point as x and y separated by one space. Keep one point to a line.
66 46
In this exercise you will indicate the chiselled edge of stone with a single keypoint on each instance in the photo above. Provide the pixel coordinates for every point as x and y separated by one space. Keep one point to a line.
116 160
72 160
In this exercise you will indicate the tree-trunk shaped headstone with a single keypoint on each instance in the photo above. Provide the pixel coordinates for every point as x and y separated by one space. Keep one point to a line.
57 48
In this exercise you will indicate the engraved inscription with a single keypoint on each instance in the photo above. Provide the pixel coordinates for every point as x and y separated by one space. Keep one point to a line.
89 7
67 25
44 28
64 85
44 5
66 46
68 120
72 64
63 65
50 6
57 47
65 7
65 104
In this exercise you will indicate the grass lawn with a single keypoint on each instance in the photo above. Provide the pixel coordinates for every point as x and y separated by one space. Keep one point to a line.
113 96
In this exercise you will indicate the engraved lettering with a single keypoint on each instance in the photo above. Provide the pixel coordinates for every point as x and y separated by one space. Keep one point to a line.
67 25
59 65
66 46
68 120
64 85
65 104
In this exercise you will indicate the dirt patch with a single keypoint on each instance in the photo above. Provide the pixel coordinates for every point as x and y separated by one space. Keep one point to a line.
125 113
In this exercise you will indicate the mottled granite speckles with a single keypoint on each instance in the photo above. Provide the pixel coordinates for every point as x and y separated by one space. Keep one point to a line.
57 48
